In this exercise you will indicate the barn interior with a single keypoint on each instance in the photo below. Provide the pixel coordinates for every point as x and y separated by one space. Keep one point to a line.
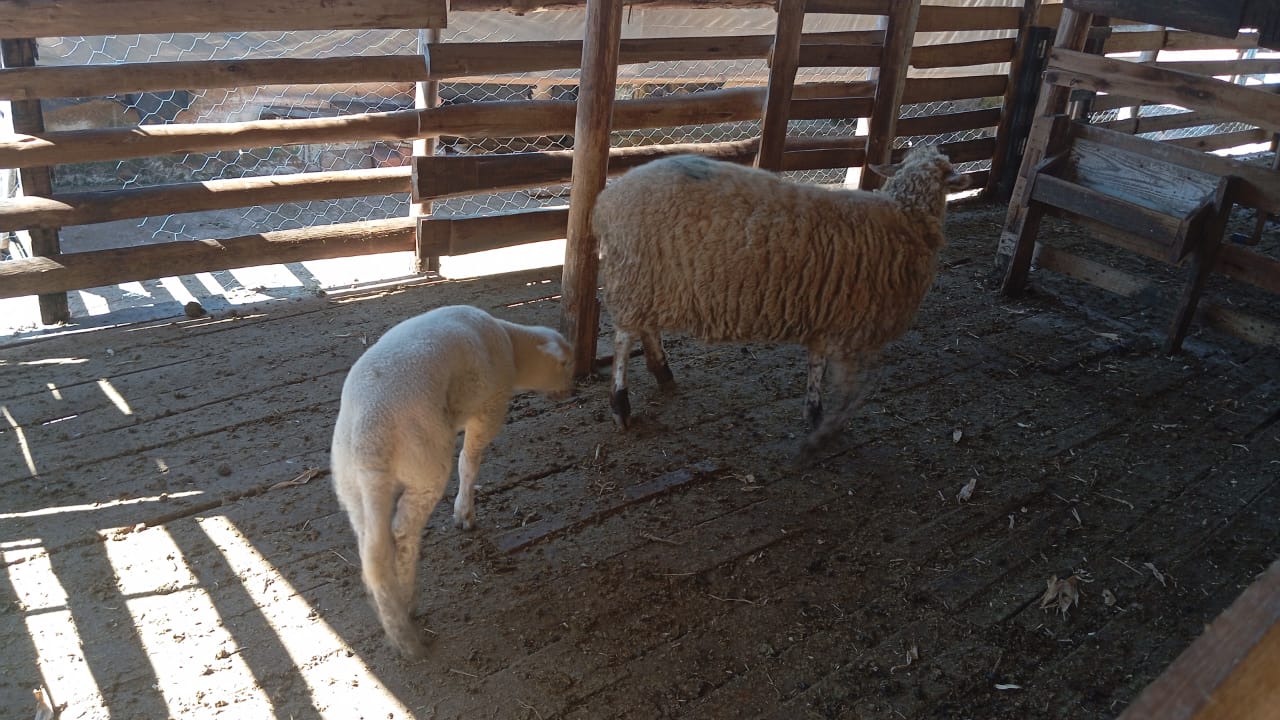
1060 501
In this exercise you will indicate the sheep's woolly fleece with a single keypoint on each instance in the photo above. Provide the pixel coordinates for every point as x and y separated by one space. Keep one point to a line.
727 253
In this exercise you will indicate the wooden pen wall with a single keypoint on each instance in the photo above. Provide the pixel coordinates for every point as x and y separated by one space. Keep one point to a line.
169 159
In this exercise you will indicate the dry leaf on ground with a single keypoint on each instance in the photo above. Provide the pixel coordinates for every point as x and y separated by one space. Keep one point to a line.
1061 594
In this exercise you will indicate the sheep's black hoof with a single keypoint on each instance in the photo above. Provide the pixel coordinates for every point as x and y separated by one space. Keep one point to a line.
665 379
620 404
813 413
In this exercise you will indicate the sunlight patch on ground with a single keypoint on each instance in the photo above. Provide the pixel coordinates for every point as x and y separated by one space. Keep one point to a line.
90 507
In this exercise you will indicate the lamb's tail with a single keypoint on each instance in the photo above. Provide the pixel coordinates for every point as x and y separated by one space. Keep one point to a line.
391 593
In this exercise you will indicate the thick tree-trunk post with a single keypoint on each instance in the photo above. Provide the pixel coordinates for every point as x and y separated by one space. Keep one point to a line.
784 61
425 95
1017 241
1013 97
580 309
899 35
36 181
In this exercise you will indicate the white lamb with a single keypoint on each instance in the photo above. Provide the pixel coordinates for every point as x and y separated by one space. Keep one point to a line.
729 253
403 403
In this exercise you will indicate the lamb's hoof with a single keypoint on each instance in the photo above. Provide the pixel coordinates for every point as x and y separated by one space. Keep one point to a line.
410 642
620 404
665 379
813 414
465 522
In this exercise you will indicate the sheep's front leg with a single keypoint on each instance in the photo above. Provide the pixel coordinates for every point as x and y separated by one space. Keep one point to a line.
619 403
813 389
480 431
655 358
856 376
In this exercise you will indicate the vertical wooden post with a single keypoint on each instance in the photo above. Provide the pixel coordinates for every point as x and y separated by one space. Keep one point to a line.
1017 241
895 59
29 120
425 95
1018 93
784 61
579 307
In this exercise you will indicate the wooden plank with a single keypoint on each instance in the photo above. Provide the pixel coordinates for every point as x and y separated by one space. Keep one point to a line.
1249 266
1101 74
891 83
1090 271
1018 102
76 271
98 80
1229 671
784 59
28 118
1122 41
460 235
444 176
1155 227
944 123
977 52
852 7
1221 141
579 306
942 18
56 18
83 208
839 55
1245 66
1178 40
524 7
1221 17
1261 186
925 90
454 60
484 119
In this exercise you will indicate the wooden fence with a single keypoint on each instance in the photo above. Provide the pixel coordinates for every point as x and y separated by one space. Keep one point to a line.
36 151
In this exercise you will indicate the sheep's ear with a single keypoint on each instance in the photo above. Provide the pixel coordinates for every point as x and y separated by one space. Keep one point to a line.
958 181
886 171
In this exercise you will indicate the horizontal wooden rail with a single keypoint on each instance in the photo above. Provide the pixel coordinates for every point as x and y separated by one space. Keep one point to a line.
477 59
468 234
76 271
978 52
944 123
925 90
942 18
1222 141
1162 123
83 208
830 108
522 7
1249 66
56 18
32 83
482 119
1160 85
445 176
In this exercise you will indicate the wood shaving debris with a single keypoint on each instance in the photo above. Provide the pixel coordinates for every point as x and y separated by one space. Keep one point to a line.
1108 597
956 435
1061 594
966 492
1008 686
303 478
913 654
44 711
1157 573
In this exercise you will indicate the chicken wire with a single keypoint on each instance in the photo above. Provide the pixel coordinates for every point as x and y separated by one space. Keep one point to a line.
318 101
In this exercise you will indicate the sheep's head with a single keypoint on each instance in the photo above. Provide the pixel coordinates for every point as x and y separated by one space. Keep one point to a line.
549 368
922 180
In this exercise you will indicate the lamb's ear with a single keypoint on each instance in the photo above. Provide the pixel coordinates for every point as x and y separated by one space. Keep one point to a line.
885 171
958 181
555 350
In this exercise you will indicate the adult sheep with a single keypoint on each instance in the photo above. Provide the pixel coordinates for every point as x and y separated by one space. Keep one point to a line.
729 253
406 398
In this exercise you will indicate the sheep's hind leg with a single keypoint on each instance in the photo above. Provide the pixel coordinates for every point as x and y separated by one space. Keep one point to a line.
813 389
655 358
619 403
856 377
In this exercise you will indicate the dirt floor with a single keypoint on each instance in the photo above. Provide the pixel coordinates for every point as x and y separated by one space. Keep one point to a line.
172 547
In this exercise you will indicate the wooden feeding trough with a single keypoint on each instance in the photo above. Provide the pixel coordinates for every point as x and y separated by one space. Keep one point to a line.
1162 201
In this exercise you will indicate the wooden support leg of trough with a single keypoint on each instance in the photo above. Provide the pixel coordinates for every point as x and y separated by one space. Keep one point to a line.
28 119
426 95
1203 259
580 308
900 33
784 60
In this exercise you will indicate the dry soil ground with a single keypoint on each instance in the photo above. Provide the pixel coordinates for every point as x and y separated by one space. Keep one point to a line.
172 548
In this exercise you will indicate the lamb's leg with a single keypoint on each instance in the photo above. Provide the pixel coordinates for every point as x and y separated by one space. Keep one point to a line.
813 389
618 400
856 377
655 358
480 431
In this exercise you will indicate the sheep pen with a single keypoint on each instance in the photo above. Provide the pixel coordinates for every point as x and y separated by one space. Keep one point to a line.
686 242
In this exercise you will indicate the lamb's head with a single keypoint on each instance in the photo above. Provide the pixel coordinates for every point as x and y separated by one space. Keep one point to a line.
920 182
545 363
